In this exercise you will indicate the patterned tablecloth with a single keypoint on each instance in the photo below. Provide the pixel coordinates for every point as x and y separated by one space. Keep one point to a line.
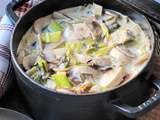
152 115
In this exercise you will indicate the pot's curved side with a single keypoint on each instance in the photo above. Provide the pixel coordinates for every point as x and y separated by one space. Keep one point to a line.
45 104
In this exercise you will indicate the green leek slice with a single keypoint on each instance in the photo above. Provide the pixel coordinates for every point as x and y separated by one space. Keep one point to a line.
101 45
79 46
102 51
71 48
89 42
32 70
54 26
55 34
74 46
90 51
49 37
42 64
36 76
61 80
105 30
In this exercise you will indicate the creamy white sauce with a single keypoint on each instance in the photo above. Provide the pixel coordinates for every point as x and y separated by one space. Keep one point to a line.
124 60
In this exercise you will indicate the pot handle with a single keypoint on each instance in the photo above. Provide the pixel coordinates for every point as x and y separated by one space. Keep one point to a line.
10 9
134 112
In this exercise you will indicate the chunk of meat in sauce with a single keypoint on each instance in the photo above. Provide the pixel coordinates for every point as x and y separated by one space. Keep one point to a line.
122 36
112 78
121 55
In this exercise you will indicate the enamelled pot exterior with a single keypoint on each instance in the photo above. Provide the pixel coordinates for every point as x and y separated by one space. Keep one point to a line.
116 104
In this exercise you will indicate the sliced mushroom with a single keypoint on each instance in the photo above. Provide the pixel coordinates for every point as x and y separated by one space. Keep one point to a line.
21 46
78 31
83 59
52 55
59 52
21 56
96 30
80 73
102 61
27 42
81 30
112 78
122 36
41 23
75 81
121 55
29 61
27 46
98 61
77 70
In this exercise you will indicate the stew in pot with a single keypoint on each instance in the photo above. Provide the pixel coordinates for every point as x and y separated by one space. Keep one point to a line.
84 49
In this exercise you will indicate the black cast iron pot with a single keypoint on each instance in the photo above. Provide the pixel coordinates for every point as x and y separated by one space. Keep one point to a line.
128 101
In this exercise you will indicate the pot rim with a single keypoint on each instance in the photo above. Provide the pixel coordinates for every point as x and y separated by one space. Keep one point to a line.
152 42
